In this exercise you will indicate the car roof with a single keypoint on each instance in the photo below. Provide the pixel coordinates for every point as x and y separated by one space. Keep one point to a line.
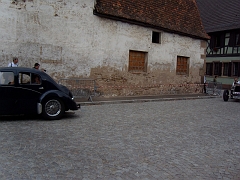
43 75
18 69
23 69
26 69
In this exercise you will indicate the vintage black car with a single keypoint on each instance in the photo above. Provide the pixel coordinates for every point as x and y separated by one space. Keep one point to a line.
31 91
234 93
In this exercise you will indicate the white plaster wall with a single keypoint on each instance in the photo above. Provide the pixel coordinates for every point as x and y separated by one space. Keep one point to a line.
68 40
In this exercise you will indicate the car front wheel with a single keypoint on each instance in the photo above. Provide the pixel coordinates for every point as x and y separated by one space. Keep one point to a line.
53 109
225 95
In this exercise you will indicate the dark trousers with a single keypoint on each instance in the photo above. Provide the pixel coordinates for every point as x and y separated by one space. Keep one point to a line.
204 88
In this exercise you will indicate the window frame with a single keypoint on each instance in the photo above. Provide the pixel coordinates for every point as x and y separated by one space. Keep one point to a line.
238 68
4 77
182 65
217 41
217 71
209 68
237 42
156 37
226 69
27 78
137 62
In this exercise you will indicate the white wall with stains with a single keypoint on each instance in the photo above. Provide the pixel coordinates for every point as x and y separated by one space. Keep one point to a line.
69 41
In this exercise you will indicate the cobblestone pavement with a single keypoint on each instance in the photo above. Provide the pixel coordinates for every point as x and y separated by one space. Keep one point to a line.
182 140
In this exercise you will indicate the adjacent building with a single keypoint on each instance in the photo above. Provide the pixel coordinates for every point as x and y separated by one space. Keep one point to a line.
221 20
129 47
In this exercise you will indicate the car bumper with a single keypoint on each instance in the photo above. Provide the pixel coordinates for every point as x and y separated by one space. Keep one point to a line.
71 104
74 106
236 95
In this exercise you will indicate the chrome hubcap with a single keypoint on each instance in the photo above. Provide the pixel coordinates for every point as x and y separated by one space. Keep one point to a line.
53 107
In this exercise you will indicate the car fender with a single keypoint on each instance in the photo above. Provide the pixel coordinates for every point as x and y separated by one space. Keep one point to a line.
68 102
53 93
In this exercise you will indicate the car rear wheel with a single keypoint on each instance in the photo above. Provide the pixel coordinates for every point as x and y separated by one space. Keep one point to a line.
225 95
53 109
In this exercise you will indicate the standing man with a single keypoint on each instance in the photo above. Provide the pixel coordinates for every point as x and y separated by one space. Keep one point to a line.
215 85
14 63
37 66
204 83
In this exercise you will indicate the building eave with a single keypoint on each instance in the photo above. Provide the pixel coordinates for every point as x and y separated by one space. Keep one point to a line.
147 25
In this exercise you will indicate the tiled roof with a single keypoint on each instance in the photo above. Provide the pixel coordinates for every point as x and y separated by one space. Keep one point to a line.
177 16
219 15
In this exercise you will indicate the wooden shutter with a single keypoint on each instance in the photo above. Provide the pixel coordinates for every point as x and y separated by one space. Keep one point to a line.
182 65
136 61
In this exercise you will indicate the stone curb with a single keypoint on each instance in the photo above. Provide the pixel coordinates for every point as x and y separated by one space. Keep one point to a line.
144 100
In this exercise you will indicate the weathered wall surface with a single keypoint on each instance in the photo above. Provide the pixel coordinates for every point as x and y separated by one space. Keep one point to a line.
69 41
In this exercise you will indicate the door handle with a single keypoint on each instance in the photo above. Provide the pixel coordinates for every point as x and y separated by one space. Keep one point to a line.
41 88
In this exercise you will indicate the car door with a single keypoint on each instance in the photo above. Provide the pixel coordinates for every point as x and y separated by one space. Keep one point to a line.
8 96
29 92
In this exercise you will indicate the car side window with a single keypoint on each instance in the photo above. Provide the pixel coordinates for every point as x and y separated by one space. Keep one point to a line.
29 78
24 78
6 78
36 79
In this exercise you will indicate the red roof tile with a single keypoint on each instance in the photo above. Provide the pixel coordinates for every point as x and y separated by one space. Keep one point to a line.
178 16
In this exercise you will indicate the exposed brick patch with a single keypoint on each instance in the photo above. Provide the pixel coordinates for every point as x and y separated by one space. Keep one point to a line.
119 83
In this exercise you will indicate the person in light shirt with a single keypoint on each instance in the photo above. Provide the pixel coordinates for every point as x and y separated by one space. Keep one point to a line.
235 82
14 63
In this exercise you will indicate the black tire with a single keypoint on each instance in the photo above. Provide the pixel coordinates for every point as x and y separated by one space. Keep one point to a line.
225 95
53 108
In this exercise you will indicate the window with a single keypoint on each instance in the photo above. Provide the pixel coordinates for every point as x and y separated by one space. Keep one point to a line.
223 68
29 78
238 39
235 68
226 69
182 65
36 79
6 78
234 39
209 69
156 37
137 61
24 78
217 41
217 66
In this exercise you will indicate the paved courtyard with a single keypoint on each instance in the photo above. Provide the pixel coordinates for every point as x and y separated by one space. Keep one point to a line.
182 140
